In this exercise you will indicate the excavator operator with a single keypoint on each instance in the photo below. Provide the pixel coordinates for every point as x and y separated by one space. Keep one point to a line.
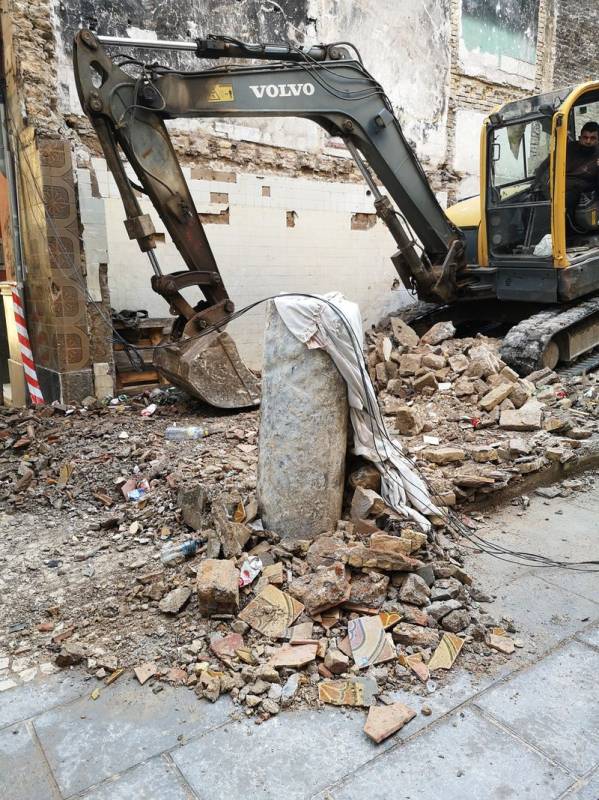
582 166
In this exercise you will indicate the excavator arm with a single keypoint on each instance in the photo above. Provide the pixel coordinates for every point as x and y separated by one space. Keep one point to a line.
128 103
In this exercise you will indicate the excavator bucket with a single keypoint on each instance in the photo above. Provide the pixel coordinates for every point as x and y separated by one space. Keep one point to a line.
209 368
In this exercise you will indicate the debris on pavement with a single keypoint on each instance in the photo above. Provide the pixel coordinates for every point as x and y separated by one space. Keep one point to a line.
373 607
384 721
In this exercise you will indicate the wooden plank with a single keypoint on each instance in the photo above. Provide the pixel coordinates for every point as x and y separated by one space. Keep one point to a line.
126 378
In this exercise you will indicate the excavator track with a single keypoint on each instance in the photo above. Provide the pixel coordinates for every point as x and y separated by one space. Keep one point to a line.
552 335
582 366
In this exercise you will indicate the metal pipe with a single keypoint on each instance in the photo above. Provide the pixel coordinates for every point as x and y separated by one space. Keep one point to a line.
154 263
363 169
151 44
220 48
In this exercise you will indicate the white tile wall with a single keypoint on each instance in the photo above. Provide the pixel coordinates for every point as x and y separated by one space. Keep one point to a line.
257 253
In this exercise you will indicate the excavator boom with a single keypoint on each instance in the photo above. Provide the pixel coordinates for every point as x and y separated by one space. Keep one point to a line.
128 104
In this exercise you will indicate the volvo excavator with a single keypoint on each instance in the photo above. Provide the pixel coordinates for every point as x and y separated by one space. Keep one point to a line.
508 256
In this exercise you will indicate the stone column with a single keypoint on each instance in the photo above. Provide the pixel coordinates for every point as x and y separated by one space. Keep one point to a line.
303 435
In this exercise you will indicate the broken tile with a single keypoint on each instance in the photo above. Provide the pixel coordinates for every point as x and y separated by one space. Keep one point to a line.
345 646
369 642
417 665
328 619
227 646
350 692
302 633
389 618
446 653
296 656
145 671
501 643
274 573
384 721
271 612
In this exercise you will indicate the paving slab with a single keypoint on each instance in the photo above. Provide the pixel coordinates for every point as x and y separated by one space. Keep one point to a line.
460 687
462 758
590 636
40 695
24 774
544 614
152 780
89 740
554 705
543 529
585 584
586 790
292 756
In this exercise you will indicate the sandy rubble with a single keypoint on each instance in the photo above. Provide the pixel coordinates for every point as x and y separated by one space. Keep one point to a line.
80 571
469 422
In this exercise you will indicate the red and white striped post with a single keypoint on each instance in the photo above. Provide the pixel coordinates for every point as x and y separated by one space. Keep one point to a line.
25 346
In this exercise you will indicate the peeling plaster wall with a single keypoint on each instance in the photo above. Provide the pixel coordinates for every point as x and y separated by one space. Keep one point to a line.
405 45
577 47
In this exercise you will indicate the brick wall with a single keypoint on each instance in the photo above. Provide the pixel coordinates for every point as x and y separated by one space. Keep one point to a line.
472 97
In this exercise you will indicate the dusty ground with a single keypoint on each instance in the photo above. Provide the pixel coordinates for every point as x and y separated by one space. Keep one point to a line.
71 560
80 563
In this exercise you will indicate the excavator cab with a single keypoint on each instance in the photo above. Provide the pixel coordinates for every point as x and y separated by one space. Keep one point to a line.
535 249
541 251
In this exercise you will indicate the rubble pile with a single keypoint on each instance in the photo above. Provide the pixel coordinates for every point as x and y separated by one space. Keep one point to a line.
470 423
122 547
126 550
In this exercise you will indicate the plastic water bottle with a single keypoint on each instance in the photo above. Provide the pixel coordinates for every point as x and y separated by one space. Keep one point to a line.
175 554
178 434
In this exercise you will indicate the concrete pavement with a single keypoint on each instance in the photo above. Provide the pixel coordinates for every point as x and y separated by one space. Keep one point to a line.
529 731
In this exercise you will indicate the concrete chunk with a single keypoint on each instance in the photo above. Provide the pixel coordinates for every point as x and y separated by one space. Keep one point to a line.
403 334
527 418
438 333
496 396
444 455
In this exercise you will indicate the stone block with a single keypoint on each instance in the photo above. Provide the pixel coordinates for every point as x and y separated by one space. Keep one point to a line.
527 418
444 455
303 435
404 335
497 395
409 421
438 333
409 364
218 587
